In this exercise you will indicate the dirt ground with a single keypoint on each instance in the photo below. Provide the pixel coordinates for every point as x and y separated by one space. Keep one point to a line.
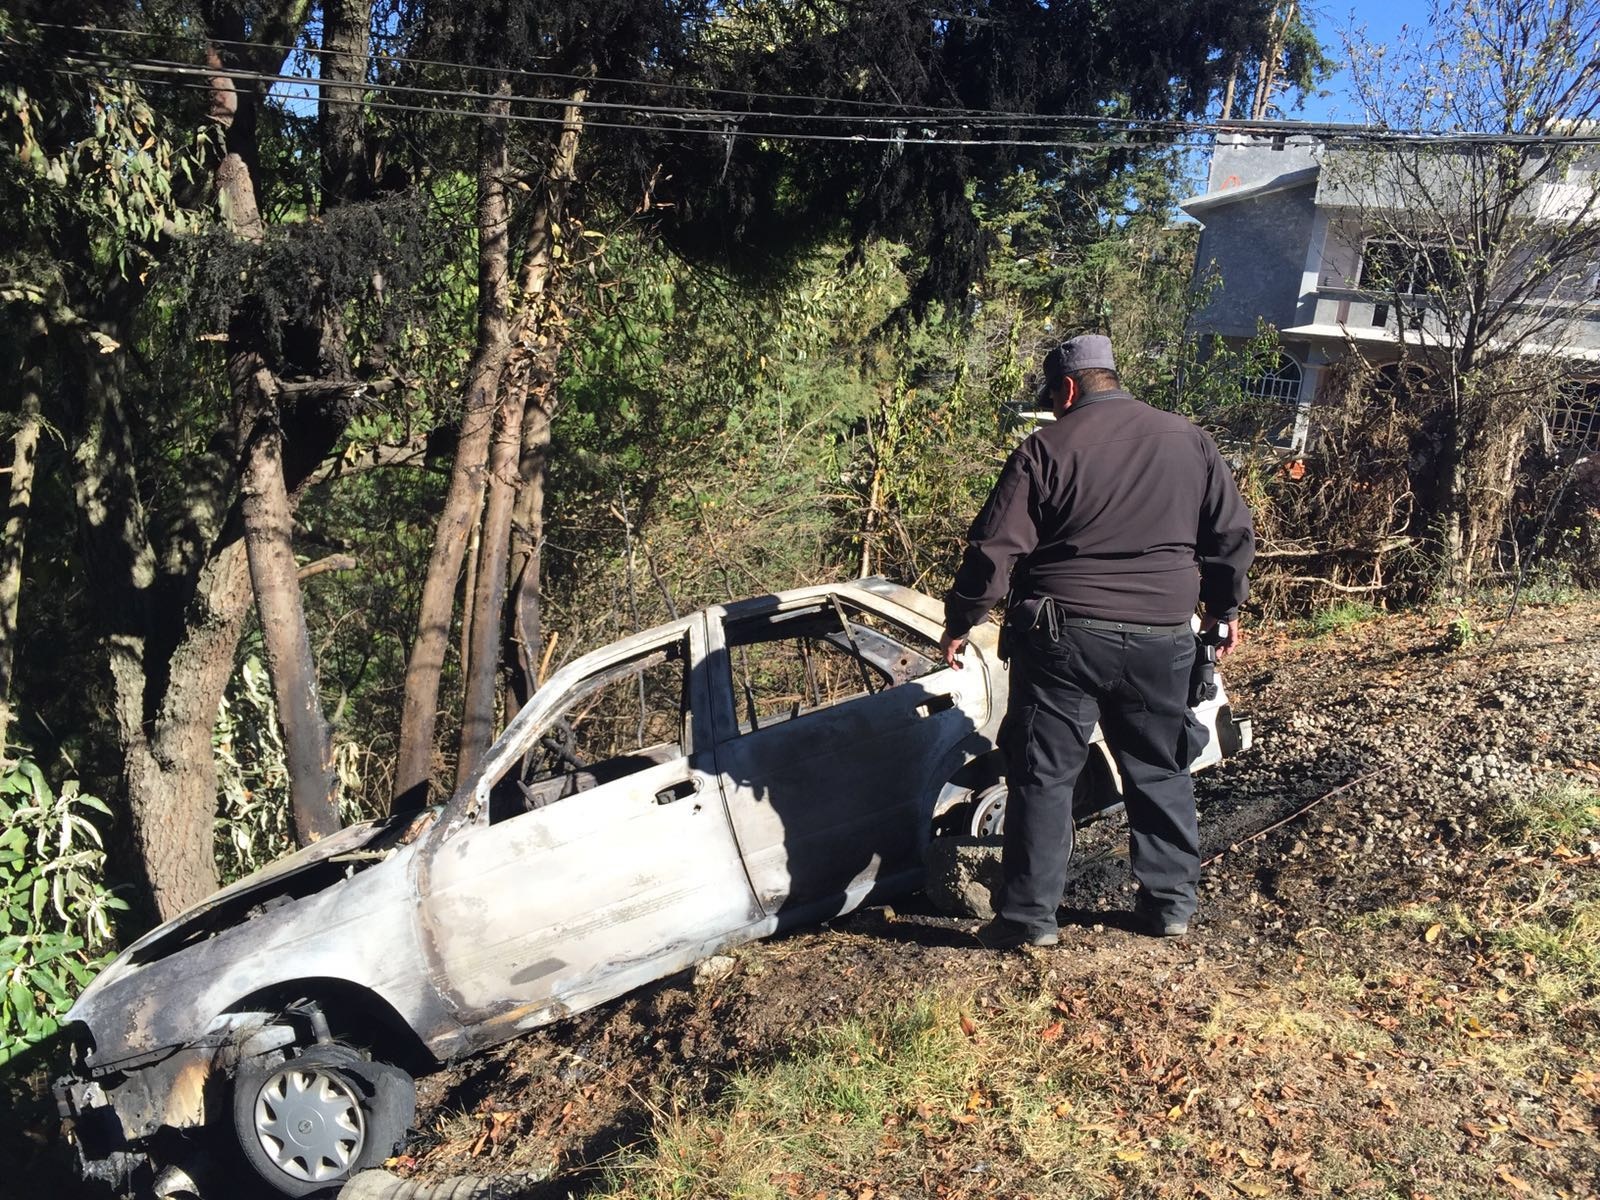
1393 988
1391 993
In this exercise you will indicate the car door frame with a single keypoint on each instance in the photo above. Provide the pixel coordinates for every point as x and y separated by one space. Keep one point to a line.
469 811
970 685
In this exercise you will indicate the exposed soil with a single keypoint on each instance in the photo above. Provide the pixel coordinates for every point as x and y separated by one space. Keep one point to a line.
1402 744
1340 1021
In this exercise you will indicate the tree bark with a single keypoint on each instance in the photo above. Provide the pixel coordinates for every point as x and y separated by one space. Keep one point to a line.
275 578
170 768
419 710
346 44
25 446
164 702
265 508
488 600
537 379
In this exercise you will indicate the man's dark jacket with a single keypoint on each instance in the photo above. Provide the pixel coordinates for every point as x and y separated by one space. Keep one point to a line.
1119 511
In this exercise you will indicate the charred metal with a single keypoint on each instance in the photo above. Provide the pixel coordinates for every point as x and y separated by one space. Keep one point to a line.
741 770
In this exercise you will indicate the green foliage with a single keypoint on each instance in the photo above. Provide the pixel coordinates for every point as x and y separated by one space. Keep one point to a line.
253 821
1461 633
54 928
1340 617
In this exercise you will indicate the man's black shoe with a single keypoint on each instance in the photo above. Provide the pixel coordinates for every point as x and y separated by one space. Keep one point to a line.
1001 934
1157 925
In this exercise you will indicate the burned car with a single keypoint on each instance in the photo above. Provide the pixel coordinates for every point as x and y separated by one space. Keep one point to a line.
737 772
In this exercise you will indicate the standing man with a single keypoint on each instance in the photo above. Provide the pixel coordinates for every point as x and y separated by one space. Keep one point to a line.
1107 527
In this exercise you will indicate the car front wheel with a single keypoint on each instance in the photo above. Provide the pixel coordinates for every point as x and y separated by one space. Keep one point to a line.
310 1123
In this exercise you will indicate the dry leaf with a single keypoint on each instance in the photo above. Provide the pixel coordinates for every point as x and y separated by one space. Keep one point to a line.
968 1026
964 1119
1433 933
1250 1159
1521 1185
977 1100
1064 1108
1251 1189
1130 1155
1050 1032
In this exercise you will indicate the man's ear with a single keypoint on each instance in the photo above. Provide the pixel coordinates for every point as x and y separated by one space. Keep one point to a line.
1072 392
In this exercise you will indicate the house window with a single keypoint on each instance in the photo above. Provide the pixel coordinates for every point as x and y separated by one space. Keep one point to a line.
1281 382
1407 268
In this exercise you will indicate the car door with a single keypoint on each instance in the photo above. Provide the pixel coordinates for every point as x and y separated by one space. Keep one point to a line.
836 724
594 851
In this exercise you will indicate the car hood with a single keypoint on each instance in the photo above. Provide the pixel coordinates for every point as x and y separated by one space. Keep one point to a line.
320 865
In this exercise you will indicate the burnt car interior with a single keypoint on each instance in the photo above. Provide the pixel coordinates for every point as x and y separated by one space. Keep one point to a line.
632 715
785 664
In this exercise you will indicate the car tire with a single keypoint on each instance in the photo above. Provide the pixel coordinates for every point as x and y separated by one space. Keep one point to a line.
307 1125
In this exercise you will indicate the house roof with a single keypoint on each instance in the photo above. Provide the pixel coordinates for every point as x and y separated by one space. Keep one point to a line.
1372 335
1279 183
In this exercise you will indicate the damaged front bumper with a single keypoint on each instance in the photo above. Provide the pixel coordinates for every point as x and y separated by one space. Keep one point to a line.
108 1114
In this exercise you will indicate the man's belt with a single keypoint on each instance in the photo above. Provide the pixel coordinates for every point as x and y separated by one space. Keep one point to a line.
1121 626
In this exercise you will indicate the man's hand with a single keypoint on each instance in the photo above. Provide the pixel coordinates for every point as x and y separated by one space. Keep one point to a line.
951 647
1230 638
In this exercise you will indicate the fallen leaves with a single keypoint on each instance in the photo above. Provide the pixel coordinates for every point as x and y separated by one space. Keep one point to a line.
1521 1185
496 1124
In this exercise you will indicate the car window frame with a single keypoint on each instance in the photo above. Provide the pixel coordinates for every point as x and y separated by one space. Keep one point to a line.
724 714
469 806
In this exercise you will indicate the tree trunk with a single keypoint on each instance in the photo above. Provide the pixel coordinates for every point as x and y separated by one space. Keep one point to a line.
25 446
537 378
1271 61
488 601
346 42
164 703
275 577
419 711
170 768
265 508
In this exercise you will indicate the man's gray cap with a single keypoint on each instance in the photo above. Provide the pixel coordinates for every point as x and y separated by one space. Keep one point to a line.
1082 353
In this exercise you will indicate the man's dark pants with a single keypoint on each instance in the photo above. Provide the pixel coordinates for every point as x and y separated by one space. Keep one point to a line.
1136 685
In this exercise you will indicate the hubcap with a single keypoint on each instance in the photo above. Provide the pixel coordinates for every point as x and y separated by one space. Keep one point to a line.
309 1122
989 815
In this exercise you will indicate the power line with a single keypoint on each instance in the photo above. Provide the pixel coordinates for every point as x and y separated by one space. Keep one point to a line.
731 122
893 114
168 66
845 101
774 135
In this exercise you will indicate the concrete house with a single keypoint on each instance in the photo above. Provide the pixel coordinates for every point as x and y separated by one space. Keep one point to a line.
1284 234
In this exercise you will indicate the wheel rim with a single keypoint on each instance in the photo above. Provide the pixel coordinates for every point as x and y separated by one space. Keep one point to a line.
989 814
309 1122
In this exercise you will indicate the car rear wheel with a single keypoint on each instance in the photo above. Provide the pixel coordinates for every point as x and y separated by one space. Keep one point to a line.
308 1124
1095 793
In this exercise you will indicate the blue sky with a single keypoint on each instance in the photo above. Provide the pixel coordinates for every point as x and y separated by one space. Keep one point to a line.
1382 19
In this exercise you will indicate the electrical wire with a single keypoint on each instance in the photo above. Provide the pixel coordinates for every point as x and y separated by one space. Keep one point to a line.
523 72
732 121
729 133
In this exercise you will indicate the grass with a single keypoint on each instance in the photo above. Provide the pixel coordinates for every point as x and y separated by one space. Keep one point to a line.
1562 816
948 1072
1340 617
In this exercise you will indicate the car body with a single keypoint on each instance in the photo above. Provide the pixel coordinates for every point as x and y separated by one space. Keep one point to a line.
739 771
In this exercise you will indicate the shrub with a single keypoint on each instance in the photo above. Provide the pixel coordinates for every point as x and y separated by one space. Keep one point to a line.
54 931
